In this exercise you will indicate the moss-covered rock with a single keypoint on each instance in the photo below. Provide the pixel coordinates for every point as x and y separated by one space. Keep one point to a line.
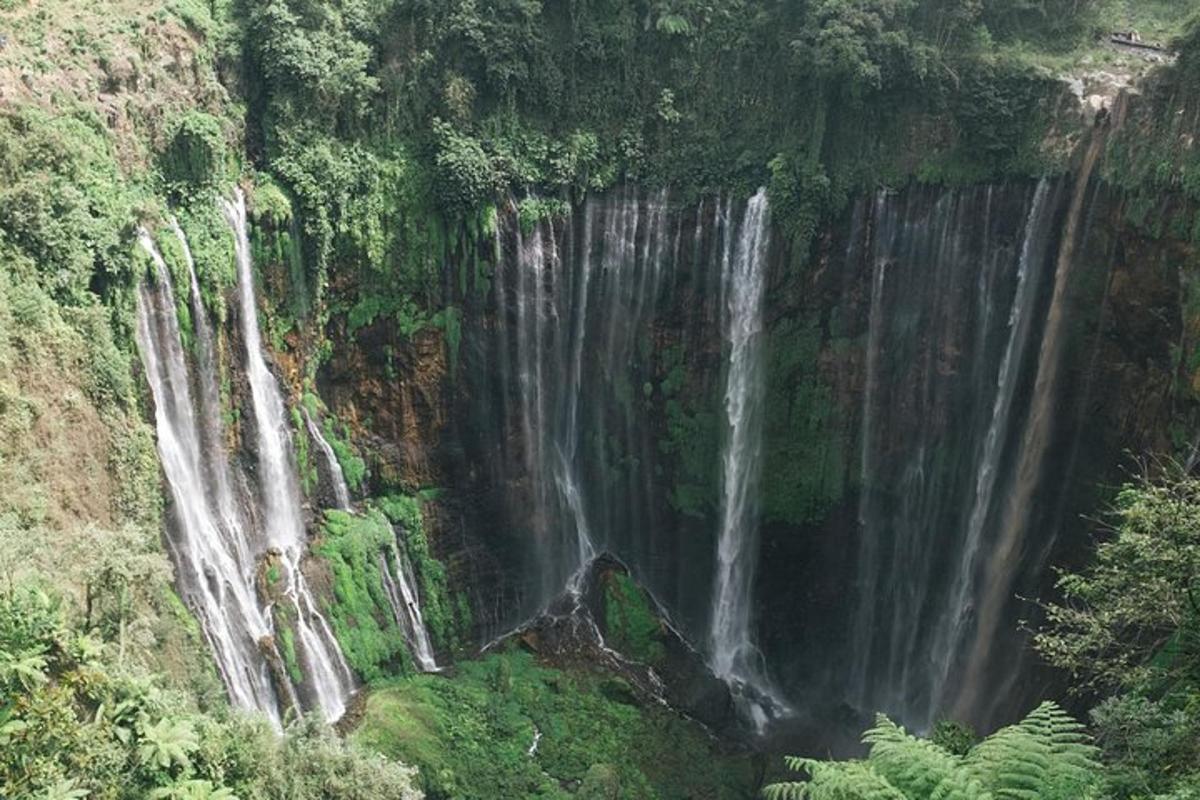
546 733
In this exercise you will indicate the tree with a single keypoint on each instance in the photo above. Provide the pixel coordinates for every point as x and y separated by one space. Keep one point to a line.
1130 619
847 47
849 42
1046 756
1130 622
74 724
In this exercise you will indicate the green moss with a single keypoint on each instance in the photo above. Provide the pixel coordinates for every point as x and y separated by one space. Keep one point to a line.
305 463
631 625
360 613
181 614
471 734
287 648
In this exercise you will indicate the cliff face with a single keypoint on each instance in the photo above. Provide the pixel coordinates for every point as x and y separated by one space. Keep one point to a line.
954 378
960 482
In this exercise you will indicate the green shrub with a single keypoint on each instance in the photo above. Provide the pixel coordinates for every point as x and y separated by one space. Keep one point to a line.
471 735
465 176
196 155
77 722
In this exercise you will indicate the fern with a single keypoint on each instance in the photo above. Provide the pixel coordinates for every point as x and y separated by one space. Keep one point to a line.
1047 756
168 742
834 780
917 767
674 25
1044 757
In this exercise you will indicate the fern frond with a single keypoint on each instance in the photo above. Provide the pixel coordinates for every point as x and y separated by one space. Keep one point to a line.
835 780
1046 756
919 768
673 25
785 791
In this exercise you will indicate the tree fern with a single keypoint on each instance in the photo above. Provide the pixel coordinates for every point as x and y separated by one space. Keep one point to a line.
834 780
919 768
1045 757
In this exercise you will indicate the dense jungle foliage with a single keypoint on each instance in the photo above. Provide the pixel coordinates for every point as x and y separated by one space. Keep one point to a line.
380 138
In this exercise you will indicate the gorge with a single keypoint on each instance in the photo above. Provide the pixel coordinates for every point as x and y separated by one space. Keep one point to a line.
521 398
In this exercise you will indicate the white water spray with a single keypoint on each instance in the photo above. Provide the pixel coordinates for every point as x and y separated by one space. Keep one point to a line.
327 675
214 569
735 657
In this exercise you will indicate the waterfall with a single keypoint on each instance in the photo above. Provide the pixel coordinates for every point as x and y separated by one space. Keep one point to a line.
574 298
735 658
327 676
341 491
212 556
960 309
582 353
399 584
1004 562
958 609
212 431
863 626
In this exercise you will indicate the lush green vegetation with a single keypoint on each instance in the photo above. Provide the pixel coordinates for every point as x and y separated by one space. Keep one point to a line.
472 735
380 138
1129 629
1046 756
631 623
77 720
357 547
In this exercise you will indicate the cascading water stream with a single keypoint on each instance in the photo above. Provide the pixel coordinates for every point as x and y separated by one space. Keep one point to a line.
1009 548
863 624
327 676
577 302
212 431
735 657
214 570
341 490
968 290
620 422
399 583
958 609
400 586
